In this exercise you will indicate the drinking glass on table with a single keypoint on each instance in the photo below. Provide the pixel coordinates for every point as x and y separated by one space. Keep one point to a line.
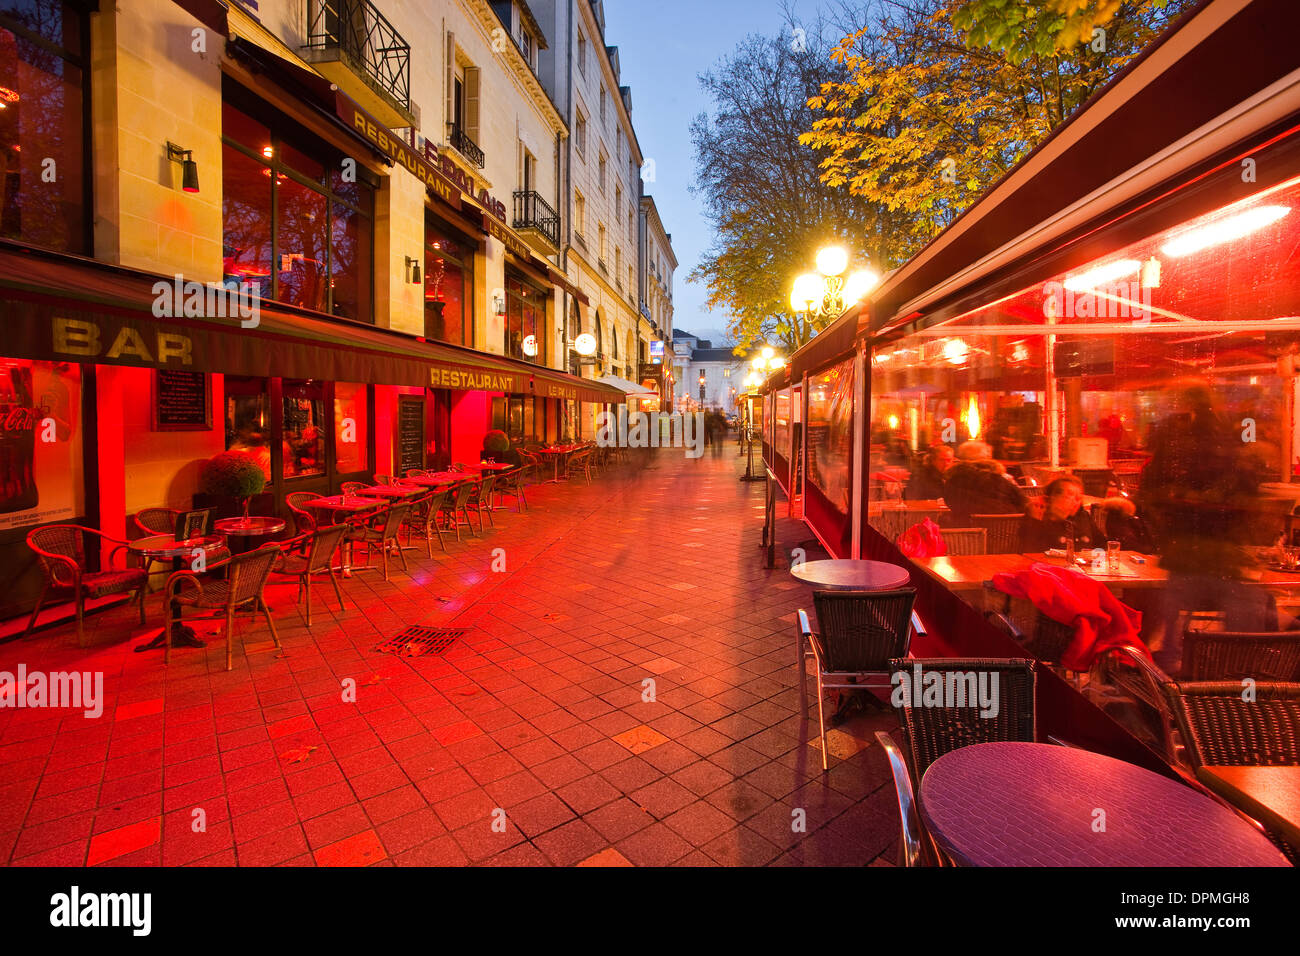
1112 556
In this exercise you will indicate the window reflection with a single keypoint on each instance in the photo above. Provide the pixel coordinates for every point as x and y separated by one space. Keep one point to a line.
304 422
350 422
248 425
42 112
448 287
525 319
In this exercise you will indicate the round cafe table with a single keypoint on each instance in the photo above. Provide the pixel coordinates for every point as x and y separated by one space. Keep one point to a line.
846 575
1030 804
181 554
254 526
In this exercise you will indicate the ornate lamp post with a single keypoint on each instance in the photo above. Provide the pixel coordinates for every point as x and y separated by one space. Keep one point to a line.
827 293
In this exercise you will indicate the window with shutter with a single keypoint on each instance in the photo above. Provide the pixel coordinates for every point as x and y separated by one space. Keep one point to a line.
472 103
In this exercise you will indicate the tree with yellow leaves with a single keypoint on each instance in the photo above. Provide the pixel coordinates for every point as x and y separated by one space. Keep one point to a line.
944 97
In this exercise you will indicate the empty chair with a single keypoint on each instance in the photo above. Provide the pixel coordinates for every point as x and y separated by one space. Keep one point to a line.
304 521
453 507
859 634
479 500
512 483
1220 728
1228 655
380 531
383 479
242 589
416 472
153 521
424 518
62 551
353 487
1003 532
966 540
313 554
959 720
579 464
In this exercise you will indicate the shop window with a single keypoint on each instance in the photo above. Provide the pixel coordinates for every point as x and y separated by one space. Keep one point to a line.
525 321
248 419
296 223
40 480
43 107
448 287
304 436
351 408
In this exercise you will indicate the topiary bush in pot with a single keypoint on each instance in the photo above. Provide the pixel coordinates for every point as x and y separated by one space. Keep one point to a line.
496 444
230 481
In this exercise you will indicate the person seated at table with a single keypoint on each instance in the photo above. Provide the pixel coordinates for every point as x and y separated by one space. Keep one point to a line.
1119 521
979 485
926 482
1063 518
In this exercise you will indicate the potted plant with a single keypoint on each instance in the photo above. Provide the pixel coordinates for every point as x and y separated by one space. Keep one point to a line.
229 482
496 444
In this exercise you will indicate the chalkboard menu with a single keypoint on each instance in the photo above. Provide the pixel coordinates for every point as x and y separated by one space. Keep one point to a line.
182 401
410 433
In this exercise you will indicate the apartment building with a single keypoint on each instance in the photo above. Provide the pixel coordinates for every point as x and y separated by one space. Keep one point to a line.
705 377
321 234
658 264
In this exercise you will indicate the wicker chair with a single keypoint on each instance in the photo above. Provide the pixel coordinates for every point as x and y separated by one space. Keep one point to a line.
304 521
966 540
379 529
384 479
579 464
457 466
1220 728
859 633
416 472
153 521
934 731
310 555
1003 532
354 487
242 589
453 507
511 483
892 522
479 500
424 518
61 550
1029 627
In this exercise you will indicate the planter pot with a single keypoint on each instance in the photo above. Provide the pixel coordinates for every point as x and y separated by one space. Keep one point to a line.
228 506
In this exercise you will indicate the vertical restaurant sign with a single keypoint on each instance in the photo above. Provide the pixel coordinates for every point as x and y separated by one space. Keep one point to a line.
40 443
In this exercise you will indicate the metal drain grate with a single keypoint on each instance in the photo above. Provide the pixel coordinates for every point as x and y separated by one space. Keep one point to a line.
417 640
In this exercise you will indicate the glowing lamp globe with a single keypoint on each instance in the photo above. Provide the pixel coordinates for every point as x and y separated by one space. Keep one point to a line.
832 261
859 284
585 344
808 289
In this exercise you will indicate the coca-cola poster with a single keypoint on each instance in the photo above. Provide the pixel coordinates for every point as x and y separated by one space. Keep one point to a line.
40 443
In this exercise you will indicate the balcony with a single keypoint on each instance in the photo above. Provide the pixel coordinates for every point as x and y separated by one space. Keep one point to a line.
462 144
534 212
356 48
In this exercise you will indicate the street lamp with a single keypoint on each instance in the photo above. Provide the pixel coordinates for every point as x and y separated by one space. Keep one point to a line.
826 293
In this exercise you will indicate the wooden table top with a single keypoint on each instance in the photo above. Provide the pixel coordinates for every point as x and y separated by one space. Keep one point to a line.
353 503
392 491
1269 794
435 480
968 572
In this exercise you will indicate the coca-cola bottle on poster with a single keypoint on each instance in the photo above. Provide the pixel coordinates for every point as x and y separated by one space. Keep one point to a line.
18 421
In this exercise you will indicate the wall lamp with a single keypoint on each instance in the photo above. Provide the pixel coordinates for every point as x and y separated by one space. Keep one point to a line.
189 168
413 271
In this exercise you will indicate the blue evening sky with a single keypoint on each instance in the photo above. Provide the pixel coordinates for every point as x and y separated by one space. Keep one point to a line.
663 46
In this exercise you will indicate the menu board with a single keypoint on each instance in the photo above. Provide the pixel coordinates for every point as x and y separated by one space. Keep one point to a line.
410 433
182 401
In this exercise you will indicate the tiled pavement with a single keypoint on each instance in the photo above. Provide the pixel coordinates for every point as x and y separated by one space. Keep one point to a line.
538 739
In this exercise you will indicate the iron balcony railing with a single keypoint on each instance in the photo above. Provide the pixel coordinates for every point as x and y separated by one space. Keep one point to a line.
534 212
461 142
366 40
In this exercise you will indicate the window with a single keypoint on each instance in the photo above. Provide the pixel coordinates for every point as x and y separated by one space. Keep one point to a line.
579 213
602 104
603 164
619 144
618 204
580 134
43 61
448 286
582 53
248 419
525 321
618 260
527 169
313 246
601 246
526 46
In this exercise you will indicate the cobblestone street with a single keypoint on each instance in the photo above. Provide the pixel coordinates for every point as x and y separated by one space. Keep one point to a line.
624 694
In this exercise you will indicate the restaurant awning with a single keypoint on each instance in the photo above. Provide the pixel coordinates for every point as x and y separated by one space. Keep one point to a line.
630 389
66 308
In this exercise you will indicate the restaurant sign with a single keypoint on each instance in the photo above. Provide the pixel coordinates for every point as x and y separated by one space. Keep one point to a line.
476 378
394 147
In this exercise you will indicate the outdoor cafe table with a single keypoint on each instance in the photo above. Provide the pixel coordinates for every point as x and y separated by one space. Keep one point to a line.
340 504
436 480
1031 804
254 526
557 453
845 575
182 554
392 491
489 465
1269 794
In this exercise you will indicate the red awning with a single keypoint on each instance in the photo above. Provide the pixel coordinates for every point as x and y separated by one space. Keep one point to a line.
65 308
